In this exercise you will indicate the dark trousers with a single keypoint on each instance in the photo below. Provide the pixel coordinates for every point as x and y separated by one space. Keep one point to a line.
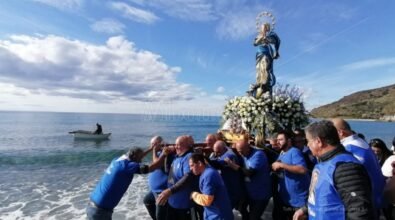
255 209
157 212
181 214
95 213
282 211
389 212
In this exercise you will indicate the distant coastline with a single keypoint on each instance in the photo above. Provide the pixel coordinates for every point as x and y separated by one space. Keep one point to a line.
374 104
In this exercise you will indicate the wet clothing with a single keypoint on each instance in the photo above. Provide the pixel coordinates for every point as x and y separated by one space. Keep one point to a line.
340 188
362 151
292 187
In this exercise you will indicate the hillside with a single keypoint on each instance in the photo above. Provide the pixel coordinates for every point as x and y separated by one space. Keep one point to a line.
370 104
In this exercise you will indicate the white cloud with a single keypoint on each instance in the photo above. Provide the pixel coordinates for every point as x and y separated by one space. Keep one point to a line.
192 10
237 25
108 25
134 13
371 63
64 4
117 70
238 20
220 89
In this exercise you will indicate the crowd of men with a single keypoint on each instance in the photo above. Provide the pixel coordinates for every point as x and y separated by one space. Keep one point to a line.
325 171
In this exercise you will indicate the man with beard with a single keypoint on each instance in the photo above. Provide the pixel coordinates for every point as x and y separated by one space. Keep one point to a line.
293 178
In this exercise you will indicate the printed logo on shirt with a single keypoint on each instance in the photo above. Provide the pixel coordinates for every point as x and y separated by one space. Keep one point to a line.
314 179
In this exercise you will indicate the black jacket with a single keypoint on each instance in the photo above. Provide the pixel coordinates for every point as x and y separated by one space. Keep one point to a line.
353 185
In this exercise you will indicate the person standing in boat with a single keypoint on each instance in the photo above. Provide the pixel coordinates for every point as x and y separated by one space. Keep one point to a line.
99 129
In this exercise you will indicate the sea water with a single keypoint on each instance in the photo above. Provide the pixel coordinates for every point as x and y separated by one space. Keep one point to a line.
46 174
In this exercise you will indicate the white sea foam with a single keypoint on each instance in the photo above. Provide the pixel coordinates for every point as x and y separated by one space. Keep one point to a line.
62 193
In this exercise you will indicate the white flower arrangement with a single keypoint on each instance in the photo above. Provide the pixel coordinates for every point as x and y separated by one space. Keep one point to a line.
283 110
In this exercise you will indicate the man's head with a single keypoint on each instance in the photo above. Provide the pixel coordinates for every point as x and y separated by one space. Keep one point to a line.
322 137
182 144
135 154
219 148
197 164
210 140
342 127
243 147
284 140
156 140
273 142
299 138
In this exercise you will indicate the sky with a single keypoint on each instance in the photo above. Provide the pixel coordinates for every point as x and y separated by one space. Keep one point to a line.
185 56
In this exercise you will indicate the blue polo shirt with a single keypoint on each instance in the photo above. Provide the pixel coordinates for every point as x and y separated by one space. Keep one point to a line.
114 182
258 185
231 178
180 167
293 188
157 180
210 183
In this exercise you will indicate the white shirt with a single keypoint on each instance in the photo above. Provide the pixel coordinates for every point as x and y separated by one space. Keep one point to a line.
386 169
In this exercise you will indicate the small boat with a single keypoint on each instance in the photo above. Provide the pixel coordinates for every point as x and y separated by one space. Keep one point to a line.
88 135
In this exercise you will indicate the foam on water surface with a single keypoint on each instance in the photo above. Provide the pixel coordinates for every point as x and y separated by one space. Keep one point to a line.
62 193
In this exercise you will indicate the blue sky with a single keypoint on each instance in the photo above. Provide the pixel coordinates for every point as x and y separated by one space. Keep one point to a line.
184 56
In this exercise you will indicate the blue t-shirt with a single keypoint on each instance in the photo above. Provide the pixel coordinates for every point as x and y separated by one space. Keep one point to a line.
292 187
258 185
231 178
157 180
114 182
210 183
180 167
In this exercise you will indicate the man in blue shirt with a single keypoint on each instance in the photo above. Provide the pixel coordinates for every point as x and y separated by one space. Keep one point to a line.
181 183
231 178
213 197
157 181
257 180
293 178
116 180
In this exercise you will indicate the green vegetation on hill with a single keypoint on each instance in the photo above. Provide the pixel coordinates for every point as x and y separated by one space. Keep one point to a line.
370 104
